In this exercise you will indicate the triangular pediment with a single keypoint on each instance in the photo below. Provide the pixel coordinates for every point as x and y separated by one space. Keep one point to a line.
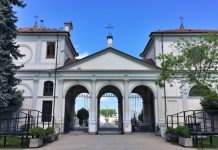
109 59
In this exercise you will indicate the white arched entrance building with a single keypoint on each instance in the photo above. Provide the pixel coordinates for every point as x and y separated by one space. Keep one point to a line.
112 69
107 71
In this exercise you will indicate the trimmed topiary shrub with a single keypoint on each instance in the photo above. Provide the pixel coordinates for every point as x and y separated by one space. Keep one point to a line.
82 115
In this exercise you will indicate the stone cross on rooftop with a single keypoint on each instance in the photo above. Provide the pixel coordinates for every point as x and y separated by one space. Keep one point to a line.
181 24
109 27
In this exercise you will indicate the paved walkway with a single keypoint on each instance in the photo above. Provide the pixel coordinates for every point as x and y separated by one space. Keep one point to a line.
146 141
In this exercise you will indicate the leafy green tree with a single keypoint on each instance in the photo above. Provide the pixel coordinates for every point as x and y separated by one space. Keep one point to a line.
108 112
194 62
9 97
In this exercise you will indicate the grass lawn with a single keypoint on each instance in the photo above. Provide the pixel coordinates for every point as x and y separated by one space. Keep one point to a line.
11 142
206 143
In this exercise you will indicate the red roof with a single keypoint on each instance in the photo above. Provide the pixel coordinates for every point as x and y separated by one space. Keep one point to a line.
40 30
177 31
184 31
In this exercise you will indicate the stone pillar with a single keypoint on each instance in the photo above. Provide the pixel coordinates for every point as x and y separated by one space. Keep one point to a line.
93 109
35 94
127 128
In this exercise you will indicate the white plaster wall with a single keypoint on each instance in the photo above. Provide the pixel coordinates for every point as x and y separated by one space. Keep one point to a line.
173 89
27 49
168 42
34 47
25 90
194 103
110 61
151 53
27 103
68 53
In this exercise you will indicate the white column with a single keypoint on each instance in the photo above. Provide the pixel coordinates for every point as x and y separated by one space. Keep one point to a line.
93 109
126 112
35 93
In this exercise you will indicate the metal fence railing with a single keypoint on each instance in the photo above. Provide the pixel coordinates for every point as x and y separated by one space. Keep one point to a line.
18 122
200 122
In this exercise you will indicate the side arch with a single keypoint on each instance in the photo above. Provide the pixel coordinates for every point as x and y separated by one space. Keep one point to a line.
67 88
154 92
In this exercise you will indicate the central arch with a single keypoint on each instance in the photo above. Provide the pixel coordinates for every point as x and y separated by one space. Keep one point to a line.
117 93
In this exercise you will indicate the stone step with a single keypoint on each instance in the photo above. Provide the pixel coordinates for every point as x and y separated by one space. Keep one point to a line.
109 132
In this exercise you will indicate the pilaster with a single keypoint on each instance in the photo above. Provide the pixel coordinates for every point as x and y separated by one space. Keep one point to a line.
58 105
35 93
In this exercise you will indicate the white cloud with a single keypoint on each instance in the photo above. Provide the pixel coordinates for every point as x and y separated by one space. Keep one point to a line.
82 55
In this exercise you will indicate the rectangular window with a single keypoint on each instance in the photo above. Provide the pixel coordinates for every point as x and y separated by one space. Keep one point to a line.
46 111
50 53
48 88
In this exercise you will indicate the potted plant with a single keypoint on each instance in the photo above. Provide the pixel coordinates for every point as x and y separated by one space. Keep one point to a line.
184 136
50 135
37 134
171 135
157 130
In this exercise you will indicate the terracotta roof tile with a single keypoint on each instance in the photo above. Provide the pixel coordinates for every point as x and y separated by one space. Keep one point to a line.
185 31
38 30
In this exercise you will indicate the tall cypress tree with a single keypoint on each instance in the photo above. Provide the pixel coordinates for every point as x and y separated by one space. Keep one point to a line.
9 97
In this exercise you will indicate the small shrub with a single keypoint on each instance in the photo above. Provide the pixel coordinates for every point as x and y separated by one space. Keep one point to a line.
170 130
210 101
171 135
24 127
49 131
37 132
182 131
157 128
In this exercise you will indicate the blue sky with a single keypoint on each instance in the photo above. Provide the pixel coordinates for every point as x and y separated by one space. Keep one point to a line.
133 20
